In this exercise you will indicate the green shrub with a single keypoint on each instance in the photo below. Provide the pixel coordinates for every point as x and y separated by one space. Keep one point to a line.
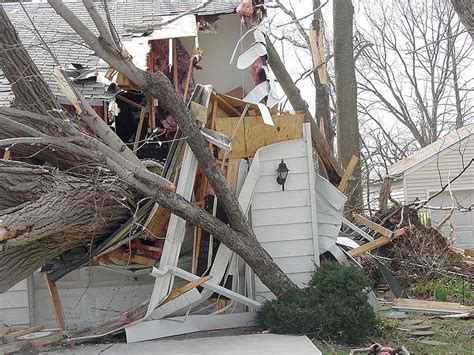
444 289
333 305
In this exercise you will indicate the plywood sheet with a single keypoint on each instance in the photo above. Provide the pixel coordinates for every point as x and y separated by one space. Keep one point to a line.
254 134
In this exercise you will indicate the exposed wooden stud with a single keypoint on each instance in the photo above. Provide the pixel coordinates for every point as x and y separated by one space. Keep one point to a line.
175 66
226 106
130 102
139 130
58 308
348 173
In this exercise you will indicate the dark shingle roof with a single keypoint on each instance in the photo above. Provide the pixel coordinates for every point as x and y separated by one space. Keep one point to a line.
67 46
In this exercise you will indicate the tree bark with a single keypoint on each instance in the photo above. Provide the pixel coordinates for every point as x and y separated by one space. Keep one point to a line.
465 11
30 94
348 140
45 213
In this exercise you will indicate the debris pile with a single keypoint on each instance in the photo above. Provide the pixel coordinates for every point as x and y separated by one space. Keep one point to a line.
423 254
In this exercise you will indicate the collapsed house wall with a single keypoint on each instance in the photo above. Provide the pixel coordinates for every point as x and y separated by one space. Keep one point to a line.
217 50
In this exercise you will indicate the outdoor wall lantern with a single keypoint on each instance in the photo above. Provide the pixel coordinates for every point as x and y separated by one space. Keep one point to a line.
282 172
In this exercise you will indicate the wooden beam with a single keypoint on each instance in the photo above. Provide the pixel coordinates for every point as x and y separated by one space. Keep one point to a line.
42 341
348 173
372 225
130 102
377 243
11 337
433 306
179 291
58 308
226 106
369 246
139 130
133 259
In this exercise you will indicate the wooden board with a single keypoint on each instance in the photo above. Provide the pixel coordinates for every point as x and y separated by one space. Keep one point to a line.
348 173
254 134
58 308
372 225
434 306
11 337
18 345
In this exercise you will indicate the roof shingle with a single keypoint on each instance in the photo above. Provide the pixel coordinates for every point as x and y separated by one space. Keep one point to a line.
69 48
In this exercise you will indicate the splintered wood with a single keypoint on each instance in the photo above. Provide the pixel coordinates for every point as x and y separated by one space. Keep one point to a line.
387 236
253 134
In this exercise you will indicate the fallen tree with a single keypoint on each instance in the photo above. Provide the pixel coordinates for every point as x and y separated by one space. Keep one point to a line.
127 174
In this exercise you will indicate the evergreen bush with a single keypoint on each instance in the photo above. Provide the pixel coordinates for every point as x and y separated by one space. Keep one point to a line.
333 305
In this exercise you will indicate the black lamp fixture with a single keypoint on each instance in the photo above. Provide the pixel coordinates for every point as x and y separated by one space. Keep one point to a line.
282 172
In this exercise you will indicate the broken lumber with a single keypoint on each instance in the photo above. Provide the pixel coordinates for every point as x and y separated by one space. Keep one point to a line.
11 337
436 307
348 173
387 236
58 308
4 330
179 291
131 258
372 225
42 341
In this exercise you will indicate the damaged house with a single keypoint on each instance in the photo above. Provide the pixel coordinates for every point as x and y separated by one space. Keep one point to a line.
157 275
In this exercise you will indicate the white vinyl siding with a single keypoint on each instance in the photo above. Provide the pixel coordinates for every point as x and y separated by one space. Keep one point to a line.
14 305
437 170
282 220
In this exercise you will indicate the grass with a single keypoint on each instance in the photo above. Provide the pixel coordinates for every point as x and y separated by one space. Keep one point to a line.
457 333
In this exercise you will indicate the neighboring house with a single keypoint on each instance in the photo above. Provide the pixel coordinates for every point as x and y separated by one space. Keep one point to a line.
94 294
423 174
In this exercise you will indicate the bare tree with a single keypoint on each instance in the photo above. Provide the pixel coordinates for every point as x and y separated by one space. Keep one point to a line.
414 72
20 237
413 79
346 94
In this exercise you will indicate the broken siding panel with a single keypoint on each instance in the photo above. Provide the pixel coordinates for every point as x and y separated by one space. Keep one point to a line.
436 171
89 296
14 305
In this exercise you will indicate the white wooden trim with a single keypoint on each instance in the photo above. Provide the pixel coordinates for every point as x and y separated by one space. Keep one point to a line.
312 191
187 324
175 232
216 288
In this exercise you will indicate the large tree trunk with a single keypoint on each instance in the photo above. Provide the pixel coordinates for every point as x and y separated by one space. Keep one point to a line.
45 213
348 140
30 94
465 11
